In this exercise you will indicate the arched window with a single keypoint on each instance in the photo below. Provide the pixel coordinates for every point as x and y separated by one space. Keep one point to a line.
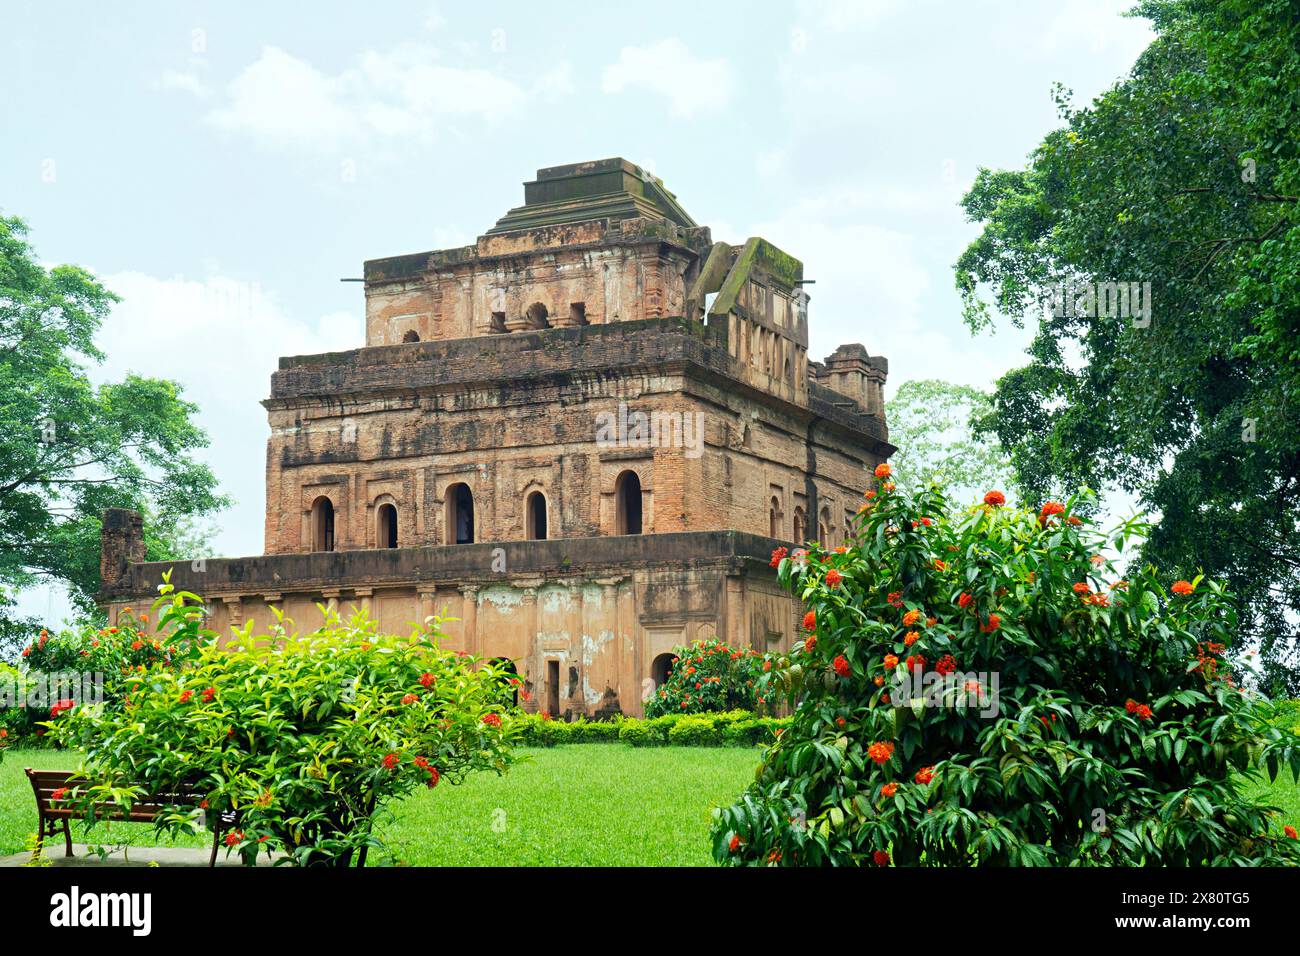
660 669
386 526
538 316
627 502
411 336
774 518
798 525
322 524
535 517
824 528
460 514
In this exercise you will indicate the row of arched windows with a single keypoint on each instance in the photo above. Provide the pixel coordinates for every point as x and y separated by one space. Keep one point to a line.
826 529
459 523
776 522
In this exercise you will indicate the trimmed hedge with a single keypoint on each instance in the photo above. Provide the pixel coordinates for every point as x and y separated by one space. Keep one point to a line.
733 728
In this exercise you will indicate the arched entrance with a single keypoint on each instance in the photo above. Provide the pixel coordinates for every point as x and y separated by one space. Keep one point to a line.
627 501
322 524
661 669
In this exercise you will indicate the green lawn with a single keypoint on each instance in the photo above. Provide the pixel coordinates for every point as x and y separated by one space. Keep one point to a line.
579 805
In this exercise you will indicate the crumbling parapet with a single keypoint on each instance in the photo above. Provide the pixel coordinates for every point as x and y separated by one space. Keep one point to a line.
853 373
121 544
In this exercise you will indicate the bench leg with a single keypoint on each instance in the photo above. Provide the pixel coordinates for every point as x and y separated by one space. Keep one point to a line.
67 837
216 842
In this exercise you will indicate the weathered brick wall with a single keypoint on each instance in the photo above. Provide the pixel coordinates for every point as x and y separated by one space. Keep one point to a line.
601 609
572 274
509 415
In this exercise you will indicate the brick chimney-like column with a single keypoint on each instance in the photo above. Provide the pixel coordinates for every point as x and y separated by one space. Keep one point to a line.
121 544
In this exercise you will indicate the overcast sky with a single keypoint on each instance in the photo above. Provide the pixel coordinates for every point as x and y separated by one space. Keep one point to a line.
222 165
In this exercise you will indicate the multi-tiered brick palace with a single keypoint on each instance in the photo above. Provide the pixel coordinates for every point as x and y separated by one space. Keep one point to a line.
579 437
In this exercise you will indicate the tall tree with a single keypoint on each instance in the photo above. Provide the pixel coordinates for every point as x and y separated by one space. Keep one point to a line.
70 448
1185 174
931 422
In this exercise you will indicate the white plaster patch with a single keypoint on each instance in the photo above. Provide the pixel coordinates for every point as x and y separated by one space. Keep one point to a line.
504 599
591 646
557 599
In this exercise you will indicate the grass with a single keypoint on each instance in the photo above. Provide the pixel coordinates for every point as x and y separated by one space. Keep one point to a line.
578 805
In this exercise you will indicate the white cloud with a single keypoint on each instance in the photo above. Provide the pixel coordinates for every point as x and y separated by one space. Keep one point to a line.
405 92
874 285
839 15
692 85
220 338
187 82
1092 27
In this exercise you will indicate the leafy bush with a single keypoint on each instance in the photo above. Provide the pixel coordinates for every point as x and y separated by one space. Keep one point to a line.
732 728
306 737
58 668
1286 715
639 733
708 676
1063 717
694 732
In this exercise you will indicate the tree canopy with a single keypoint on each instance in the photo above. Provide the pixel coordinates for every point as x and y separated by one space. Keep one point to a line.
930 421
69 448
1184 175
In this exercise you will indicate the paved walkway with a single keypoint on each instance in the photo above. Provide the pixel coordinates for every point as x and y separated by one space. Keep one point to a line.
134 856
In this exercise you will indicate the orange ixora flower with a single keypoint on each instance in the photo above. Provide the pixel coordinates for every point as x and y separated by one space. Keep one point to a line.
810 621
925 775
881 751
995 499
891 661
1183 587
882 470
994 622
911 617
889 789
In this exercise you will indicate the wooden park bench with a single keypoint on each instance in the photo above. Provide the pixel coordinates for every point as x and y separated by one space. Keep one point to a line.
46 782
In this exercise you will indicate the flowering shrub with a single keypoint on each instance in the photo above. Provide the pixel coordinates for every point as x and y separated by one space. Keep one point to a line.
306 737
982 689
59 670
708 676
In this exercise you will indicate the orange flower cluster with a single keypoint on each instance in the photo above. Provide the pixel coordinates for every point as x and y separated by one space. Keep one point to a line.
881 751
1140 711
